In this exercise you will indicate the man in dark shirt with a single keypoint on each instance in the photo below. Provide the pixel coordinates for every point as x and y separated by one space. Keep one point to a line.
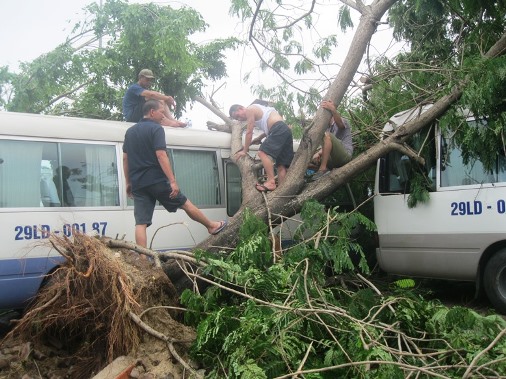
136 96
149 176
63 187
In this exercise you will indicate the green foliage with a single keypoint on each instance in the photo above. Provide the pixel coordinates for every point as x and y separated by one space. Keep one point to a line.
485 97
257 340
405 283
88 74
334 235
345 21
419 191
284 313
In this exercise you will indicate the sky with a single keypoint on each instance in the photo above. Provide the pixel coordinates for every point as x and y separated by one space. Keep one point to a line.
30 28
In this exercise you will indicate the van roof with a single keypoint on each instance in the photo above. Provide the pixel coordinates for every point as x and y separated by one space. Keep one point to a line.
44 126
405 116
75 128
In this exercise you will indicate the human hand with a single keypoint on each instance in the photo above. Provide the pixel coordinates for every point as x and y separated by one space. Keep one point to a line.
329 105
129 191
317 157
240 154
175 190
171 102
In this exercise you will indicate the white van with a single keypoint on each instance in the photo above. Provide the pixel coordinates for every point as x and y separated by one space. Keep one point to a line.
460 232
59 175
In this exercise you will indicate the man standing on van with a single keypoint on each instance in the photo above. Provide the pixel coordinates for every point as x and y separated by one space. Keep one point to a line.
149 175
137 94
277 147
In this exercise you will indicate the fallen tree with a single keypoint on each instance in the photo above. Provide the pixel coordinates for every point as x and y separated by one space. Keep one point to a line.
288 198
302 311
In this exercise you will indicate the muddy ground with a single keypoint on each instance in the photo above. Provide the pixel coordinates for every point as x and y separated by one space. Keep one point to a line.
56 354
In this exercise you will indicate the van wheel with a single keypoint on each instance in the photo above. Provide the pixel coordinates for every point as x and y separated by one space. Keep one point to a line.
494 280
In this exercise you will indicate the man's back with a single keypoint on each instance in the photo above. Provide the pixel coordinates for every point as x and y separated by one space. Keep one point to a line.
133 102
141 143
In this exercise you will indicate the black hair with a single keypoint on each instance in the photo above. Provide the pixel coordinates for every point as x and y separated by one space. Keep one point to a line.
150 105
233 109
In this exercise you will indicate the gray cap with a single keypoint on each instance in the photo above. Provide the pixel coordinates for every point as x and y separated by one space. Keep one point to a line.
146 73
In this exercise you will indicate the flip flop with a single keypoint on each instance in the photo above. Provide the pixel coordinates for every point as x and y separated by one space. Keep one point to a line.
220 228
320 174
261 188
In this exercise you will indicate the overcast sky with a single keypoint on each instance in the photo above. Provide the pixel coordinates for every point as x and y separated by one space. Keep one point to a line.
30 28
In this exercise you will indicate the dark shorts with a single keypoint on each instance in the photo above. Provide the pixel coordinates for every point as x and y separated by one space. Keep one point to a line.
145 200
279 144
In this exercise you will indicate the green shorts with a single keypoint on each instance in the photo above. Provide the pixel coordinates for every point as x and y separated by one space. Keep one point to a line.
339 156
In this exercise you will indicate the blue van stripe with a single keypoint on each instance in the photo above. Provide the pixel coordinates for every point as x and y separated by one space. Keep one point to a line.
21 278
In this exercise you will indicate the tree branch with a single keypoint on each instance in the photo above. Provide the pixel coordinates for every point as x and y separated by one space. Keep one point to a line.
66 94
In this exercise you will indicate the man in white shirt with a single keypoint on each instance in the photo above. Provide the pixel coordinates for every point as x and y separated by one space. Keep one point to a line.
277 147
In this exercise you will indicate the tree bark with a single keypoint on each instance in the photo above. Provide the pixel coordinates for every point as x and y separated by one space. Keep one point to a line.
288 198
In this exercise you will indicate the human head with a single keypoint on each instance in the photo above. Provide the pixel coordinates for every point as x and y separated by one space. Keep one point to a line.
145 78
153 110
237 112
146 73
65 172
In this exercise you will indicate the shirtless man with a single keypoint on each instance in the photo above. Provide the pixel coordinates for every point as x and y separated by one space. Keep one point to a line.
277 147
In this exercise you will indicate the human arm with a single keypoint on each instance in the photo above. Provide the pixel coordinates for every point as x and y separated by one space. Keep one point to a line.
164 162
258 139
329 105
148 94
250 119
127 176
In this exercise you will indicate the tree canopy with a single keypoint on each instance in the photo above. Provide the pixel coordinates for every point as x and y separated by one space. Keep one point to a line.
86 75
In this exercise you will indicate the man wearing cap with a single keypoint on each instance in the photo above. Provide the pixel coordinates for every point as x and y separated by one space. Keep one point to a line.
137 94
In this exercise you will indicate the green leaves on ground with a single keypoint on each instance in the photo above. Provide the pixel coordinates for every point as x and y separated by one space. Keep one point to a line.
308 312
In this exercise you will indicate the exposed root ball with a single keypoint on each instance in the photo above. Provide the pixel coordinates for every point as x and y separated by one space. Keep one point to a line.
85 304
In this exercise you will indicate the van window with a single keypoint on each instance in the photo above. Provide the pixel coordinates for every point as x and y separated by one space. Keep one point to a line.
397 170
197 176
91 173
234 190
454 172
20 173
49 174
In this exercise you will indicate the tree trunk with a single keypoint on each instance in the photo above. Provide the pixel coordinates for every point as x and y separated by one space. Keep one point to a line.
288 198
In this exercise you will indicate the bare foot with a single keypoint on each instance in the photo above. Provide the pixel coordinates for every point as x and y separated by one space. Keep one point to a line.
218 228
264 187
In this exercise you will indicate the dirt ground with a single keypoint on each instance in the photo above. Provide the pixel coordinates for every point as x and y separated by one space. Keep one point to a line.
28 354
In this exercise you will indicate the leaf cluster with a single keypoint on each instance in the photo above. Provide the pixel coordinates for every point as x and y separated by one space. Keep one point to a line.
88 74
307 311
